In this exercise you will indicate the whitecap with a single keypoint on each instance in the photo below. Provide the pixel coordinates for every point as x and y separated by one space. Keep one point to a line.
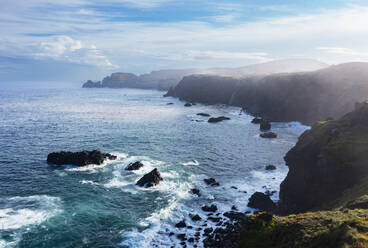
25 211
193 162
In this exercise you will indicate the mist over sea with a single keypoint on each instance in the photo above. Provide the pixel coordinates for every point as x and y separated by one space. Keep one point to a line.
99 206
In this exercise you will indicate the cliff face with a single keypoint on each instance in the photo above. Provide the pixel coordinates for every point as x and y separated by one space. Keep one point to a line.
306 97
327 162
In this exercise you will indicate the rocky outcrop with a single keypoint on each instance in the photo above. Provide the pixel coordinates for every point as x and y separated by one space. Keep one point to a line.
203 114
326 161
150 179
91 84
305 97
134 166
211 181
270 167
262 202
265 125
79 158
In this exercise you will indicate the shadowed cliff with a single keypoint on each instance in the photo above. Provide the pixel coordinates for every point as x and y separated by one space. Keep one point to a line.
306 97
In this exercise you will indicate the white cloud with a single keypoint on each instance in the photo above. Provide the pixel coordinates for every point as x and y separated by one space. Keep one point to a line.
66 49
346 54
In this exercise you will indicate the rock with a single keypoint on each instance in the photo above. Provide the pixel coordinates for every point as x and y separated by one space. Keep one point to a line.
211 181
79 158
171 234
218 119
188 104
150 179
208 230
169 103
91 84
134 166
181 224
212 208
262 202
196 192
191 240
204 114
329 159
233 187
270 167
214 219
268 135
257 120
265 125
270 193
181 236
234 208
196 217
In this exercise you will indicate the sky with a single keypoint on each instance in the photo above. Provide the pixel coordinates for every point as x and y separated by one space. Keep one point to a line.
89 39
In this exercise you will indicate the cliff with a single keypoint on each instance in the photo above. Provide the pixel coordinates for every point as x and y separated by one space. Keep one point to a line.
306 97
327 160
324 198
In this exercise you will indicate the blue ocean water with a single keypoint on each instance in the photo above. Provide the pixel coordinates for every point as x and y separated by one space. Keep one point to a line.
99 206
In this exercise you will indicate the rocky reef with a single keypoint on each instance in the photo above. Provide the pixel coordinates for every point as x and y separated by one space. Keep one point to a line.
79 158
306 97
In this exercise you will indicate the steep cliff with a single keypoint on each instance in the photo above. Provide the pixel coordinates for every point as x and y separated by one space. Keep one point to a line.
306 97
326 162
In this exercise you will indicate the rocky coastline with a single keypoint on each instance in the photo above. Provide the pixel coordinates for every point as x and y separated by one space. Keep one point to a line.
306 97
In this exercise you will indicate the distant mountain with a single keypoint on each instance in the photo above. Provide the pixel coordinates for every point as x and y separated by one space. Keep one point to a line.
164 79
303 96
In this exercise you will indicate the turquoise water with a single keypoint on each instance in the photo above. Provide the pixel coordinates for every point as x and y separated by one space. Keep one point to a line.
100 206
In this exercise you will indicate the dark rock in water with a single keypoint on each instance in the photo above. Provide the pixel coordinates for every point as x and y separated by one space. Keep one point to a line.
169 103
233 187
181 236
208 230
218 119
270 193
262 202
134 166
79 158
188 104
270 167
150 179
181 224
257 120
196 217
204 114
171 234
211 181
234 208
196 192
265 125
214 219
212 208
191 240
268 135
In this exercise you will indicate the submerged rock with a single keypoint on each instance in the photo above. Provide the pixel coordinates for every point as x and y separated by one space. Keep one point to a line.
211 181
134 166
169 103
150 179
211 208
204 114
196 217
181 224
268 135
218 119
270 167
188 104
196 192
79 158
262 202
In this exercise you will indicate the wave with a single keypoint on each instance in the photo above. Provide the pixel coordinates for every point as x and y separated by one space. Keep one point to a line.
93 168
17 214
193 162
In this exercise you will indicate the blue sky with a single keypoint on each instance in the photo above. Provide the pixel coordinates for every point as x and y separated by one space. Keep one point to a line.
81 39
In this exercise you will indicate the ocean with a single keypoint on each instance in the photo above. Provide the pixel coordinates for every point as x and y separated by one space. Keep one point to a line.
42 205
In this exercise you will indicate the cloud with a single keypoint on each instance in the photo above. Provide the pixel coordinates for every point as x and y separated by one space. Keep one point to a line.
66 49
346 53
